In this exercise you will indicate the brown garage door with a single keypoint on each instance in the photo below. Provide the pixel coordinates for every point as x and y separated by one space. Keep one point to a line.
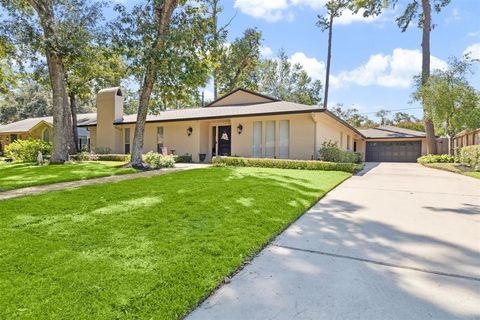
393 151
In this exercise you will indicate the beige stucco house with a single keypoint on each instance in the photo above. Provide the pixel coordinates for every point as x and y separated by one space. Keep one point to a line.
244 123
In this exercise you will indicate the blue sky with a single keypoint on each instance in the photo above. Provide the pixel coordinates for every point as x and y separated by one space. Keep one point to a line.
373 61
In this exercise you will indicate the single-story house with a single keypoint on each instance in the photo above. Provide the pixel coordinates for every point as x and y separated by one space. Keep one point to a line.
248 124
466 138
39 128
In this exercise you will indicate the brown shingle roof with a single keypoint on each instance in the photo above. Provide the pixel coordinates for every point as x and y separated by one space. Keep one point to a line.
28 124
391 132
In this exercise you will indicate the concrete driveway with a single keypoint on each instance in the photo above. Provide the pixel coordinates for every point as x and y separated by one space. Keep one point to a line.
399 242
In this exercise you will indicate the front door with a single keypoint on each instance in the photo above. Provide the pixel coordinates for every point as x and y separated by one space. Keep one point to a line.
224 140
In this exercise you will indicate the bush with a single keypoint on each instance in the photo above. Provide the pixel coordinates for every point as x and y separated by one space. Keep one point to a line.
156 160
470 156
436 158
284 164
187 158
27 150
330 152
113 157
85 156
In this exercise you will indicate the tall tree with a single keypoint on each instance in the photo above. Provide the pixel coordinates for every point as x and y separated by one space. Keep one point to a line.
50 27
419 10
383 115
164 47
283 80
238 62
450 100
334 10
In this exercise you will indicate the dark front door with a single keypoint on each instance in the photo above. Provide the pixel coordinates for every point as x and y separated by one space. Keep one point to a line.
224 140
393 151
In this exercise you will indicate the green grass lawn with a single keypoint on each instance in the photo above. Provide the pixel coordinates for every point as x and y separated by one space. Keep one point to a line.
19 175
148 248
456 168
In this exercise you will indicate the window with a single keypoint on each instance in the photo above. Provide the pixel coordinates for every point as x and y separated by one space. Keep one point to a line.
160 135
13 137
270 139
341 140
46 135
348 142
127 140
284 133
257 139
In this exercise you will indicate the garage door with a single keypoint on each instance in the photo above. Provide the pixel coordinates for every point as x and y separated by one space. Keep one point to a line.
393 151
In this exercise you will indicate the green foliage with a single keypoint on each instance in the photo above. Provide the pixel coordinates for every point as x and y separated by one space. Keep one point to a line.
186 158
27 150
436 158
179 60
470 156
283 80
449 99
330 152
156 160
87 156
238 63
284 164
352 116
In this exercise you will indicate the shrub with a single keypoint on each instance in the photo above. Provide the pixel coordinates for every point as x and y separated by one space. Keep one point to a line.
332 153
85 156
156 160
436 158
113 157
284 164
470 156
27 150
186 158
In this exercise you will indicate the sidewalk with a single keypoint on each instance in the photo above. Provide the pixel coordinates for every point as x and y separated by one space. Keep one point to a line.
80 183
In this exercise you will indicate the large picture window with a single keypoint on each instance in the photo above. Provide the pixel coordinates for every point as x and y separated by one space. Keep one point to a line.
257 139
284 135
270 139
127 140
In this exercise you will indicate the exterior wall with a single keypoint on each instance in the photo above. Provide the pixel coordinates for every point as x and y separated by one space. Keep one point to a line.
328 129
109 109
301 135
93 138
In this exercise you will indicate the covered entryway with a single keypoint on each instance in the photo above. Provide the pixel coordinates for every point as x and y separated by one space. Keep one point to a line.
393 151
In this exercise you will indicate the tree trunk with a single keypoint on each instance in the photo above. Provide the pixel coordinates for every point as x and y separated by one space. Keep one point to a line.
62 118
163 13
73 108
215 48
426 28
329 58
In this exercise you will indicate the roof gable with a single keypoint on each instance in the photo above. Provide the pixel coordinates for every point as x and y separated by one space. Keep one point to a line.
240 96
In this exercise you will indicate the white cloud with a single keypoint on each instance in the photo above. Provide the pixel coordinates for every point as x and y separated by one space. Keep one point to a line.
473 33
314 68
473 50
391 70
276 10
266 52
269 10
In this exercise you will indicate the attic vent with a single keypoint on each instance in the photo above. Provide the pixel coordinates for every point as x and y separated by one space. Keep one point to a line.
119 93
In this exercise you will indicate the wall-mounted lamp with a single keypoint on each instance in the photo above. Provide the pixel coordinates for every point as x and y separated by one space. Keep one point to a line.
189 131
239 129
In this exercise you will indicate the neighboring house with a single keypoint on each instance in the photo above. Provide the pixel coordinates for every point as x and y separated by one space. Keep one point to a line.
466 138
37 128
244 123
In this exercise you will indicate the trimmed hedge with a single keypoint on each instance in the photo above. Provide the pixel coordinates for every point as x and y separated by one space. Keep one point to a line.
113 157
436 158
285 164
186 158
156 160
470 156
